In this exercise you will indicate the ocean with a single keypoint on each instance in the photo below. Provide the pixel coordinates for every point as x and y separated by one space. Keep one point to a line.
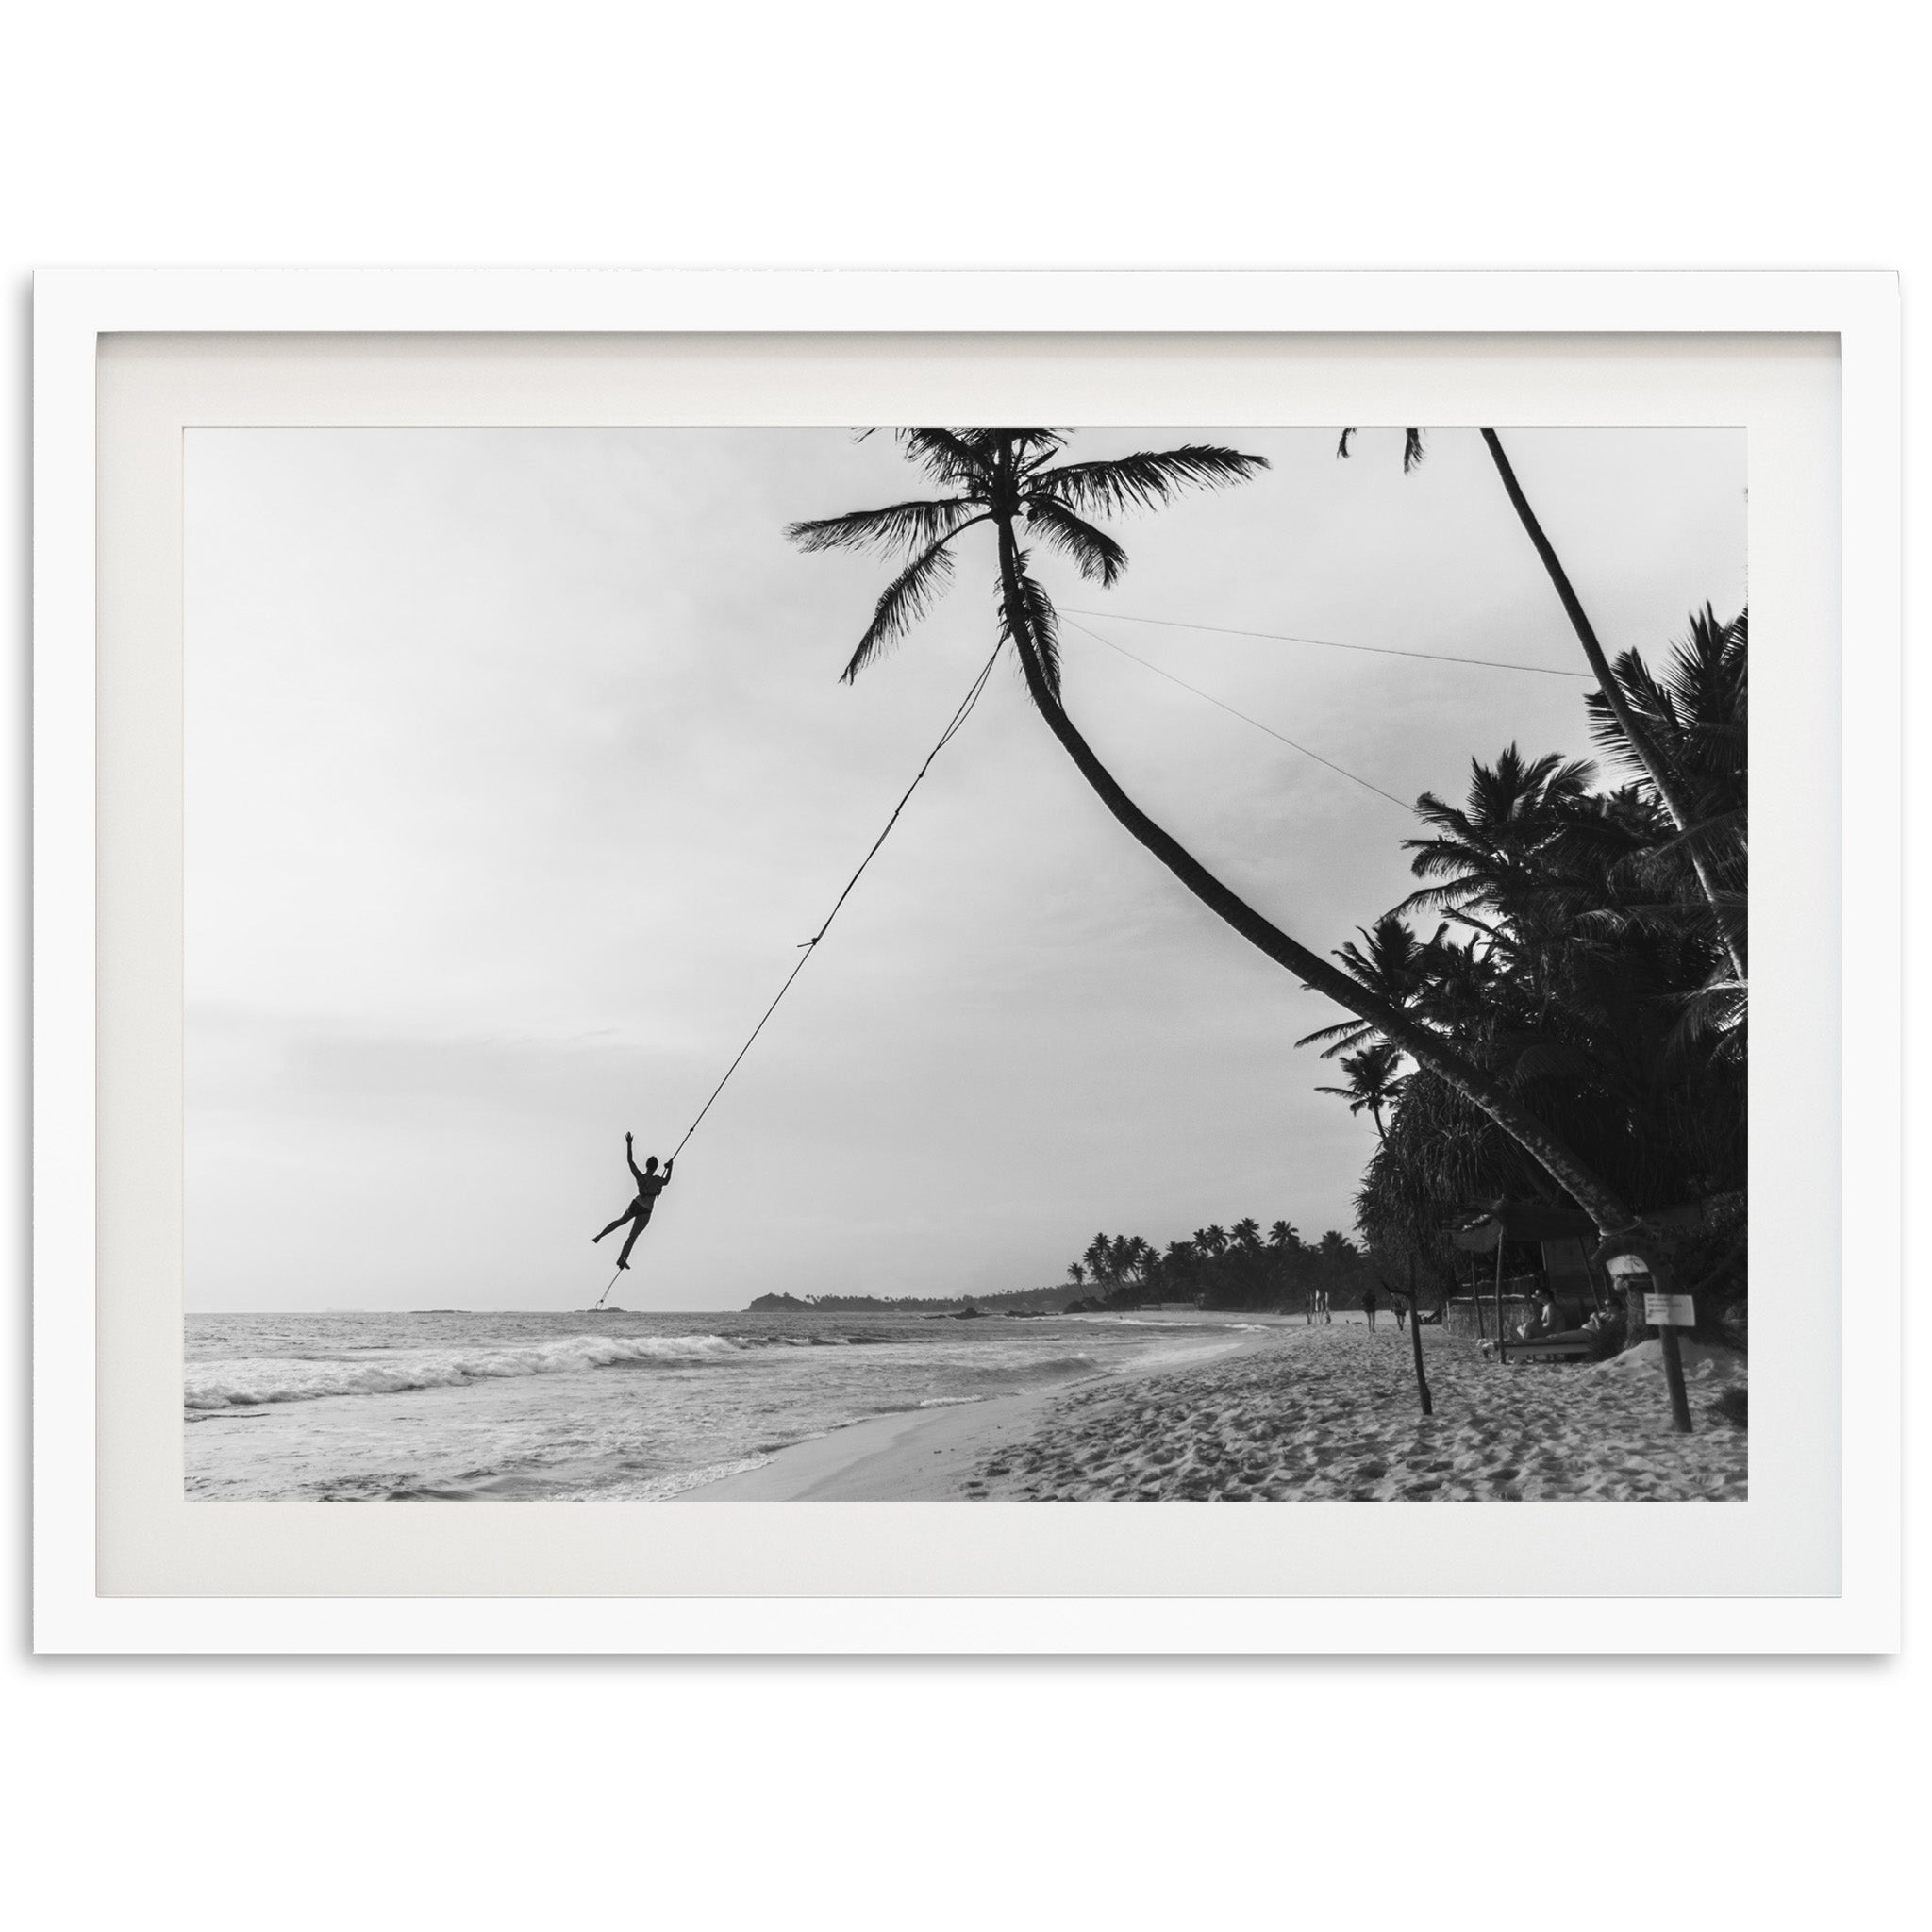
548 1408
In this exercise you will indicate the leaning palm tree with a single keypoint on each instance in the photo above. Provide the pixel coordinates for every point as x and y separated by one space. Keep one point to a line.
1643 747
1015 481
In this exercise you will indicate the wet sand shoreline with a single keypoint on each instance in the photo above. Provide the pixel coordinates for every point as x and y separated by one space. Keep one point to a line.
928 1454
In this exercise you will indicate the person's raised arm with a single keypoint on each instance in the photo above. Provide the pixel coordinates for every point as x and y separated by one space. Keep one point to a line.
630 1160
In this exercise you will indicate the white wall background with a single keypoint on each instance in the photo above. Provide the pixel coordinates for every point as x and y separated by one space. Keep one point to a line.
1693 135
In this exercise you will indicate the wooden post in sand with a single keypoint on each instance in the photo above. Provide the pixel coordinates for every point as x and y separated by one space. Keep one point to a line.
1673 1308
1502 1347
1674 1380
1415 1338
1590 1271
1664 1310
1396 1297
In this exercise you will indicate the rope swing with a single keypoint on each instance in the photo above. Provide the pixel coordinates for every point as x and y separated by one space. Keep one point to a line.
809 946
965 710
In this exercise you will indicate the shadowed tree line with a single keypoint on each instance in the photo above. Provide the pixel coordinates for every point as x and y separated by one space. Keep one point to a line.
1577 953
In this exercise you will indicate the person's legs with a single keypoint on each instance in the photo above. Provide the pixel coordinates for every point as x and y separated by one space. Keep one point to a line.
631 1241
612 1228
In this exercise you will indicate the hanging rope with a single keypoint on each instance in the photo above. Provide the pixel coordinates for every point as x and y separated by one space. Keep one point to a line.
811 945
606 1295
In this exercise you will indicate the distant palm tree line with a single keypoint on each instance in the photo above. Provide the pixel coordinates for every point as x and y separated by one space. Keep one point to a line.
1571 1046
1236 1267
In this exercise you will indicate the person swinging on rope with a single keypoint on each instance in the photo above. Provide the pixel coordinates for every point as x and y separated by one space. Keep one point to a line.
650 1185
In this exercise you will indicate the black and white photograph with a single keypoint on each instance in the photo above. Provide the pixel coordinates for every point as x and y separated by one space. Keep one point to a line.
615 931
1064 964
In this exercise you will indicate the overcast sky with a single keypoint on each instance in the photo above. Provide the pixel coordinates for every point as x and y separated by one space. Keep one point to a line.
517 766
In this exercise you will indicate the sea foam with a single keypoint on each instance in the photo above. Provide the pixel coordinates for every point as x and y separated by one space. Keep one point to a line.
253 1380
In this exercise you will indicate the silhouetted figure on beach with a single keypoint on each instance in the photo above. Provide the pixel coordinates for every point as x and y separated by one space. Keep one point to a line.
650 1185
1370 1305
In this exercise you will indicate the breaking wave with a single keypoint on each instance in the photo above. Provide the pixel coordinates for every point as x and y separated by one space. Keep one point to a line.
249 1382
1052 1368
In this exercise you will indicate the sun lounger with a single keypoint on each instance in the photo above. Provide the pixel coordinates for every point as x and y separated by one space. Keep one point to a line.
1571 1345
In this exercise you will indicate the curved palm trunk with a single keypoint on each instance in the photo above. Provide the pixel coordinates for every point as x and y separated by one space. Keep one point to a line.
1653 762
1596 1198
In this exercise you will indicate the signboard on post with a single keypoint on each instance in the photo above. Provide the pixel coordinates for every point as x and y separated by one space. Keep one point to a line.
1669 1311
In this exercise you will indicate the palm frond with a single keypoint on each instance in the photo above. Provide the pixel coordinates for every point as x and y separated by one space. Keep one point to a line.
1096 554
1694 919
1713 1017
952 456
1411 447
1146 479
1355 1036
1033 447
1717 831
897 527
902 604
1451 896
1034 627
1648 702
1346 1032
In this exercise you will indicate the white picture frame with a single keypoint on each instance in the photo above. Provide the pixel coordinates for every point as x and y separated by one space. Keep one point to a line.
228 313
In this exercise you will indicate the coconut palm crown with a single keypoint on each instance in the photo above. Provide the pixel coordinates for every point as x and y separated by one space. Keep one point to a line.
1006 476
1373 1081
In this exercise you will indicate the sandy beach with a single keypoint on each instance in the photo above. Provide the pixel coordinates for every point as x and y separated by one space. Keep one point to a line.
928 1454
1287 1413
